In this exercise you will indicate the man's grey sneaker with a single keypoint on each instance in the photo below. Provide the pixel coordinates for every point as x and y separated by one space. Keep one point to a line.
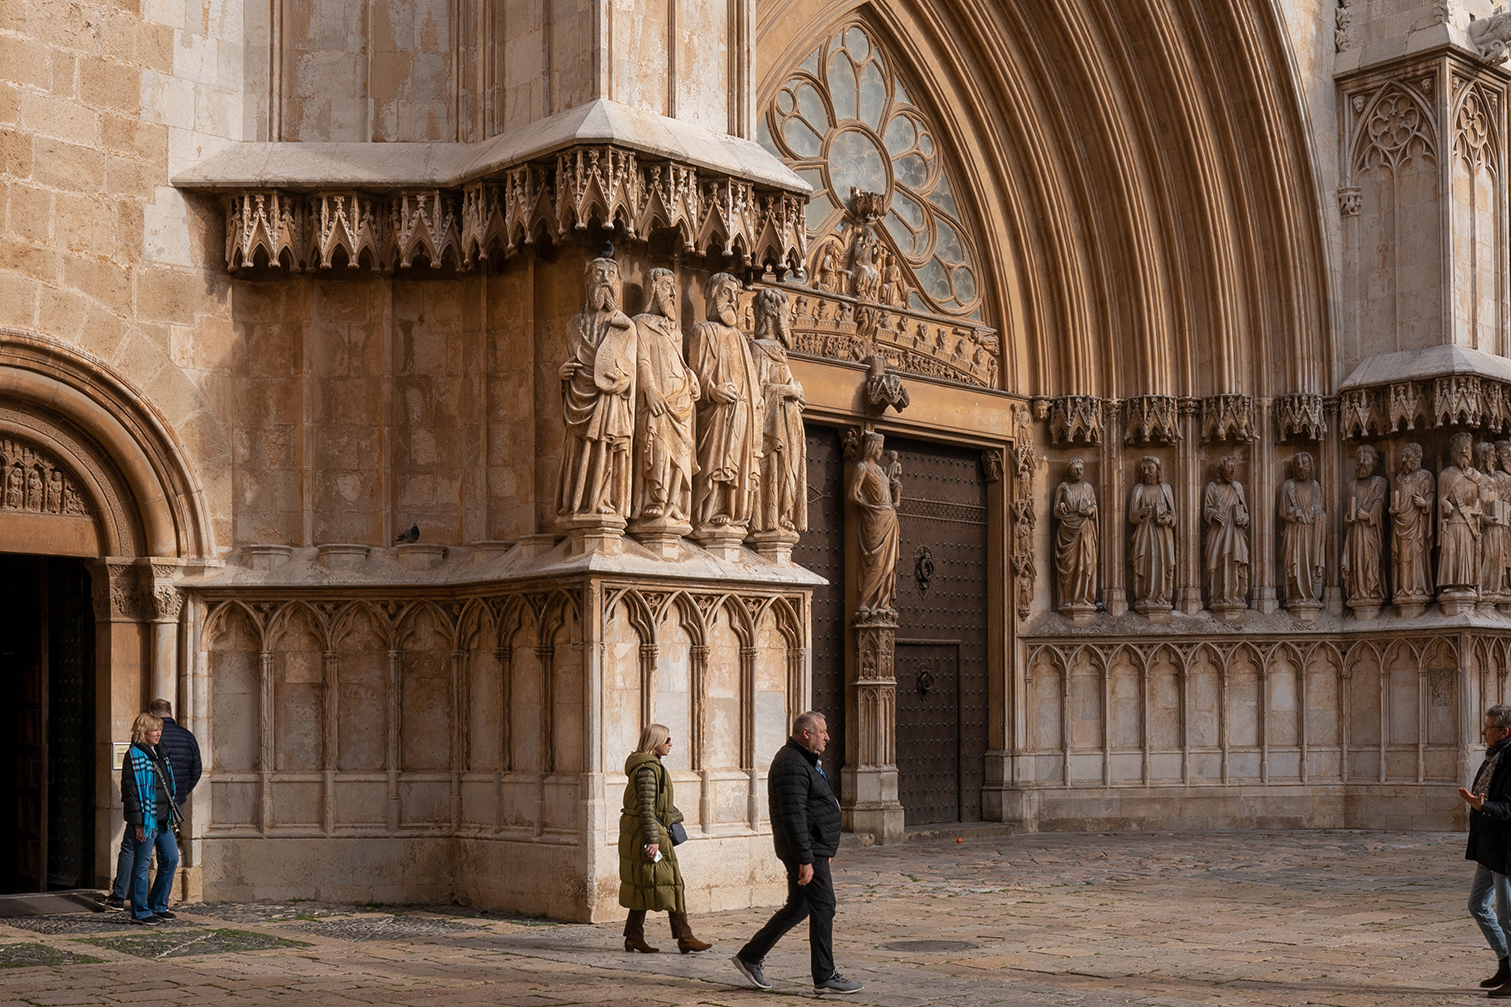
753 973
113 903
838 984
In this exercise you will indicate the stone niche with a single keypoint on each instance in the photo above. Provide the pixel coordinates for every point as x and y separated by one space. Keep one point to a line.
460 732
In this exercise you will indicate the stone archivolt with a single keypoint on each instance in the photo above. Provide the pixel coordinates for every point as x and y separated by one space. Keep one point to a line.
460 227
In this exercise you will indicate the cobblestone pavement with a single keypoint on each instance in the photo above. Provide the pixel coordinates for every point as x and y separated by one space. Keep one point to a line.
1353 919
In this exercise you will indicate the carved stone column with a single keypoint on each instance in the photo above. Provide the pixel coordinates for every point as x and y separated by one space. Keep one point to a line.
166 601
1188 513
870 780
1112 506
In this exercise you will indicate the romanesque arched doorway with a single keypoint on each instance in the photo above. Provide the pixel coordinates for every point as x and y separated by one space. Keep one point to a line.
98 520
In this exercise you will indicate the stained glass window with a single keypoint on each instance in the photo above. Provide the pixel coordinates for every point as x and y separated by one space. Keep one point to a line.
844 121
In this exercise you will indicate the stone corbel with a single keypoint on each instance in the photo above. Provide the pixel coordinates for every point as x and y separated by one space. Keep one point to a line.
1300 415
1075 418
1492 37
883 388
1227 417
1150 419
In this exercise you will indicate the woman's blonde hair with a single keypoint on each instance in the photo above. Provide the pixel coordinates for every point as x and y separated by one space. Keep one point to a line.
652 737
144 725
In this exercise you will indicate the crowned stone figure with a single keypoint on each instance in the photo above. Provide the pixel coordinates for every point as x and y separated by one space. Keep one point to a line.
598 393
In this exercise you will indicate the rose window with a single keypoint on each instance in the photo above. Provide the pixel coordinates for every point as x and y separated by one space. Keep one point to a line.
844 122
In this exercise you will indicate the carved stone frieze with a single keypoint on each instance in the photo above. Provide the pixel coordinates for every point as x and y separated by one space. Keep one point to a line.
580 186
838 327
1457 399
1227 417
1300 415
1075 418
1151 419
31 480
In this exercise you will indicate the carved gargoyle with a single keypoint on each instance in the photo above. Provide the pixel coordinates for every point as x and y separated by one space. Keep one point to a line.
883 388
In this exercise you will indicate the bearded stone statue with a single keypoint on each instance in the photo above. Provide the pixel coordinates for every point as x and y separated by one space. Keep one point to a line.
782 493
729 427
668 390
598 395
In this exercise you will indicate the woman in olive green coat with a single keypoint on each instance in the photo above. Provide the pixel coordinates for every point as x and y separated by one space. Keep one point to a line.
650 880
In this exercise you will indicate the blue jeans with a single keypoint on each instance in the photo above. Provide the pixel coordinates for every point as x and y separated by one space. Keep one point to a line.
120 888
1490 887
143 904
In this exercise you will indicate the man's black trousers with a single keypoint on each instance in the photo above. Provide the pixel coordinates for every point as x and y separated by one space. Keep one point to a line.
815 900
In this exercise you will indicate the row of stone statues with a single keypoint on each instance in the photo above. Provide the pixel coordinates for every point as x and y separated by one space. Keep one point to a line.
710 444
1472 495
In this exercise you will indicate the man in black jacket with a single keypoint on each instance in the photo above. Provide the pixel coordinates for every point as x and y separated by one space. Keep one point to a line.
1489 832
805 830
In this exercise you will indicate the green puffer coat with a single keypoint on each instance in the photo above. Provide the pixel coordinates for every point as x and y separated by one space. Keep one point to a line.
648 810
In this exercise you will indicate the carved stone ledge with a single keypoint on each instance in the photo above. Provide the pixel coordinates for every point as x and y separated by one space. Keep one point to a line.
1300 415
1227 417
1075 418
1459 400
461 226
1151 419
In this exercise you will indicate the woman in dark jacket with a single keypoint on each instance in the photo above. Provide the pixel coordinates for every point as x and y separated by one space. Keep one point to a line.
650 880
147 799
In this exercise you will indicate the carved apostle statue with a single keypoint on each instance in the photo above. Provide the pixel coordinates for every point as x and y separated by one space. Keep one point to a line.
876 492
1151 509
1411 529
668 389
782 493
1303 541
598 392
1227 553
1075 509
1493 525
1459 519
1503 491
729 427
1364 523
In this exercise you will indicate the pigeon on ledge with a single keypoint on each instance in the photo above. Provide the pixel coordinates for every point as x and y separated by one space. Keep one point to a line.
405 537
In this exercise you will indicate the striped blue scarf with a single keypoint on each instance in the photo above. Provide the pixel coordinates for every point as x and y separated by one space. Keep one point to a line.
145 771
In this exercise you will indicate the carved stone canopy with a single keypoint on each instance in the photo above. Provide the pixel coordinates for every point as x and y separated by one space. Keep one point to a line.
464 225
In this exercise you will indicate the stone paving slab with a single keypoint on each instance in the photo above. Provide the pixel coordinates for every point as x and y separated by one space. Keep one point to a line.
1272 919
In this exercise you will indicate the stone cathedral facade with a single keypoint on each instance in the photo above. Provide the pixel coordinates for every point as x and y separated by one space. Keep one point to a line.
1103 416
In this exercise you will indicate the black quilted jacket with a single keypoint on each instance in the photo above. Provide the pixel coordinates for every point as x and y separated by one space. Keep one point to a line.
804 811
181 748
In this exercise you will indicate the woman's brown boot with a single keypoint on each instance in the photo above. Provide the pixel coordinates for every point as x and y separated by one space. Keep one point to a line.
634 933
685 940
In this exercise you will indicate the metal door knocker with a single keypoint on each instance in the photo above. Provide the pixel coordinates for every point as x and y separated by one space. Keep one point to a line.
923 567
925 683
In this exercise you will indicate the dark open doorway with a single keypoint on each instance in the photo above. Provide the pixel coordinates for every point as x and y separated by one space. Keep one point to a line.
47 725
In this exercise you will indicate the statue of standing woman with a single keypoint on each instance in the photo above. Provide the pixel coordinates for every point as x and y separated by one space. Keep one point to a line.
1151 509
1075 509
1227 553
1411 533
1362 542
1304 541
876 492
